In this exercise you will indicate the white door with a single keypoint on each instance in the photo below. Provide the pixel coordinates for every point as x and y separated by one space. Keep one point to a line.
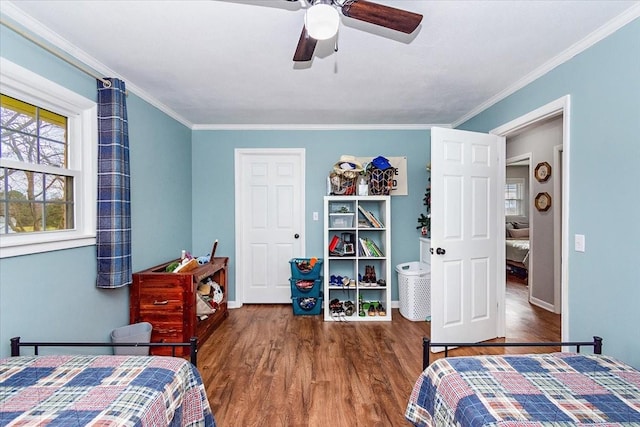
464 235
269 222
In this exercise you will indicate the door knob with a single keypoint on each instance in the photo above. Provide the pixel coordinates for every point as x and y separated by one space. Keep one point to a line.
440 251
296 235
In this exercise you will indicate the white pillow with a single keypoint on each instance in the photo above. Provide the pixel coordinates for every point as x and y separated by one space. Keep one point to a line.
519 233
508 226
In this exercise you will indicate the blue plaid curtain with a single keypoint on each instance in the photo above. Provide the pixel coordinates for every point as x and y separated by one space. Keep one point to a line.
114 196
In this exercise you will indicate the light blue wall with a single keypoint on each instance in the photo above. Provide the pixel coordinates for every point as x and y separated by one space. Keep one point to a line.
160 150
604 281
213 183
52 296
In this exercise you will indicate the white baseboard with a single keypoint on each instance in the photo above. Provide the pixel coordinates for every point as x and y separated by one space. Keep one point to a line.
542 304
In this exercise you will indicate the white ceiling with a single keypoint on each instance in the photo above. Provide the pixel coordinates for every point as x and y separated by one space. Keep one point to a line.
228 63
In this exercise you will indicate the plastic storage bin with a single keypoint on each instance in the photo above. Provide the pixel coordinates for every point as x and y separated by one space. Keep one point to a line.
414 286
341 220
305 288
301 269
307 306
136 333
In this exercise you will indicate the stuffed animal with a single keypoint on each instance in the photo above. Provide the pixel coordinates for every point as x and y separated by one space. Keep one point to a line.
217 293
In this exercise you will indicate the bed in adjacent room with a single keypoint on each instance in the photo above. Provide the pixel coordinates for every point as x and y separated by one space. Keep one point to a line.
517 249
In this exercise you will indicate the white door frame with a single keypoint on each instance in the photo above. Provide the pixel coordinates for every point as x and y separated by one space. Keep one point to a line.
239 154
558 234
560 106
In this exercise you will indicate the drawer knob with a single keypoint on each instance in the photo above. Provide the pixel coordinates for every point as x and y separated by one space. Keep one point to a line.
165 302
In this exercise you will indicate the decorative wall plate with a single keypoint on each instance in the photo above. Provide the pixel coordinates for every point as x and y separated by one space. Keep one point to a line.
543 171
543 202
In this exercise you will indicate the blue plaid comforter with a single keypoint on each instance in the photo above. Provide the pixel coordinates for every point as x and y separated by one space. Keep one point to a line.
106 391
558 389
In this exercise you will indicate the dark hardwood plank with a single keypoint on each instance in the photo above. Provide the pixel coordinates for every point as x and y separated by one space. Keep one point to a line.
266 367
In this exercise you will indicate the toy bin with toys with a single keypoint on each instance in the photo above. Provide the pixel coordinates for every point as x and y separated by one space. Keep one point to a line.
301 288
306 268
307 306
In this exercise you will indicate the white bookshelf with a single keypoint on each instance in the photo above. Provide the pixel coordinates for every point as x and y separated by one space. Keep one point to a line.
344 219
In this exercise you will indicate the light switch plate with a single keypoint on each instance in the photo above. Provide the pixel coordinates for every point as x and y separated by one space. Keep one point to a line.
579 243
315 216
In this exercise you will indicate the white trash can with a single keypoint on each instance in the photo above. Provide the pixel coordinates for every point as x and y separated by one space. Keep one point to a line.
136 333
414 286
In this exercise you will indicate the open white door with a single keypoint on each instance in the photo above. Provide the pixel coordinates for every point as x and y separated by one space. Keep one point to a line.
464 235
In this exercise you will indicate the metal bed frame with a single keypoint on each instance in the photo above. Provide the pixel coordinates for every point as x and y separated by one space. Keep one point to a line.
192 344
427 344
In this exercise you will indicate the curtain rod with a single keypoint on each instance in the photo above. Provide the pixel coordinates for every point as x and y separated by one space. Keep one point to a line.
80 67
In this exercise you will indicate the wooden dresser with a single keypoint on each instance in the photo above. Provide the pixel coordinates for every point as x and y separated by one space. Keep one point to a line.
168 302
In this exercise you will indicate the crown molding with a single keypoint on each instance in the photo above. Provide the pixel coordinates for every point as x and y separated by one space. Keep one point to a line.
317 126
604 31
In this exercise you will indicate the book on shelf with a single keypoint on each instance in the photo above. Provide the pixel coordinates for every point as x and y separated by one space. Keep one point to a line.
334 243
364 251
377 221
375 250
369 248
370 217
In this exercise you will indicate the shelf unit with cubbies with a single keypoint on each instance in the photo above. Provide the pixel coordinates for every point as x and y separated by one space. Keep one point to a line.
357 240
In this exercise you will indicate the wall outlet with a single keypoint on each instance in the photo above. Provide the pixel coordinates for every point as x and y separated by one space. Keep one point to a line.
579 242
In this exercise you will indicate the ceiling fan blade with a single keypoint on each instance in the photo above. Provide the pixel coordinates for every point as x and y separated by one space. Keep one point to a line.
385 16
306 46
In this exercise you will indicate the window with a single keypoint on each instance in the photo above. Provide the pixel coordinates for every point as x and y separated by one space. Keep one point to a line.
514 196
47 164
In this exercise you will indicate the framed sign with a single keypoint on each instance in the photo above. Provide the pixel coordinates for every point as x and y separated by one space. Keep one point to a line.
542 172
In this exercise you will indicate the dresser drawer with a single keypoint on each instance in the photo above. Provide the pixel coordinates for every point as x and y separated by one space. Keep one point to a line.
169 332
161 301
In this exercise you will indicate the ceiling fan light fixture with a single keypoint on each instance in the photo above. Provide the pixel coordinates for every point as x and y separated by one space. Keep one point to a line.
321 21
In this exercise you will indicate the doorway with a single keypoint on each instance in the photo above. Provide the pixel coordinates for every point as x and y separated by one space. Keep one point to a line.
553 298
269 218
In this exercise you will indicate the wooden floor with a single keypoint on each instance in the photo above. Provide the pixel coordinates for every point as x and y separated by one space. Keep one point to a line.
266 367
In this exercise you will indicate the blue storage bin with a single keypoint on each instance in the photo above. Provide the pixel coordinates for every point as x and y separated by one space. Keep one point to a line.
305 288
300 269
307 306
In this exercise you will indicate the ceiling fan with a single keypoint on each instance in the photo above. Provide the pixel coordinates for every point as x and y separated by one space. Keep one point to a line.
322 19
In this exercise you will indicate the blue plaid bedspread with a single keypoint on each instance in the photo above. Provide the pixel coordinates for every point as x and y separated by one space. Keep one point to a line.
557 389
104 391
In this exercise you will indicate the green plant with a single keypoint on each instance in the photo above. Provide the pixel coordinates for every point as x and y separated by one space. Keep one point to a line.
425 220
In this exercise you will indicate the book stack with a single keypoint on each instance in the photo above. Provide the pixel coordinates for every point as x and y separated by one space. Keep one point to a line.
369 248
371 219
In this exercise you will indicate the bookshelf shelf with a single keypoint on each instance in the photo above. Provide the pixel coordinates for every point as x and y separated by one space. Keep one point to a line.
357 245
